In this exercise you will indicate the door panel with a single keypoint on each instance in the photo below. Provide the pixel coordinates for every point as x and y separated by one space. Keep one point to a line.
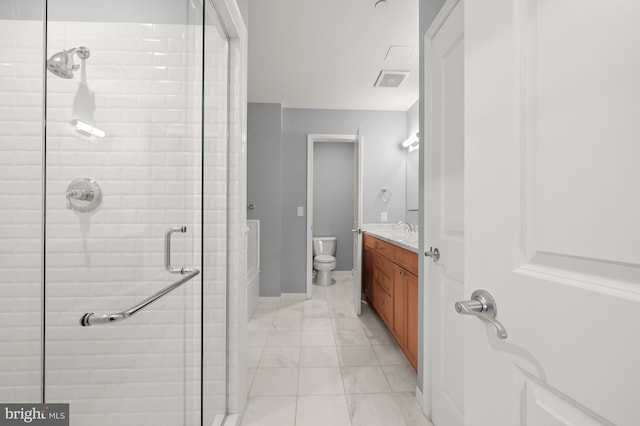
444 215
545 406
549 88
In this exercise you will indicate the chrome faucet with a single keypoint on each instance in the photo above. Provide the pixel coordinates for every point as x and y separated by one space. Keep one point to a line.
407 227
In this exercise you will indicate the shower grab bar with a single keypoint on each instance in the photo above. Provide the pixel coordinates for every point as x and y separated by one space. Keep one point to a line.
90 318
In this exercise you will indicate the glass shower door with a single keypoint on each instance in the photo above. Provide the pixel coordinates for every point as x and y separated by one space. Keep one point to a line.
127 161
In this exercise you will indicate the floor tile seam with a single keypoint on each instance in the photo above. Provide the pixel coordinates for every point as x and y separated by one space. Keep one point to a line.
405 415
306 396
388 380
384 374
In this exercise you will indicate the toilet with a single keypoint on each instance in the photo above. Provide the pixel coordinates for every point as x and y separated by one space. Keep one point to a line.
324 250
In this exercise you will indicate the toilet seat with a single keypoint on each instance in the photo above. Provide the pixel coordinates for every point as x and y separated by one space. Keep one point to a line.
324 258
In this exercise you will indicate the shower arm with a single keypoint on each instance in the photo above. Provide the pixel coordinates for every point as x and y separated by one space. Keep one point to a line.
82 52
90 318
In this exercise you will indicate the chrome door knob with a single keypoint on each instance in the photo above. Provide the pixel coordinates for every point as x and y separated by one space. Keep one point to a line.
484 307
433 253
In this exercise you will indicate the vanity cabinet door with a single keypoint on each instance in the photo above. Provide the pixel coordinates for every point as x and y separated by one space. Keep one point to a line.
411 347
399 325
386 306
367 273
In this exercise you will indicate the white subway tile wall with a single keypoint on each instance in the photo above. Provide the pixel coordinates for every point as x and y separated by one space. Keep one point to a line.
20 211
142 85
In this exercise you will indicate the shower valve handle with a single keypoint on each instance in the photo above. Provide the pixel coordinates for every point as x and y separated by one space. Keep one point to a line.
79 194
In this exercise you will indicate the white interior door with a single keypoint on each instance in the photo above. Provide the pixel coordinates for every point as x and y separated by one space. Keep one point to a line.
444 157
552 211
357 224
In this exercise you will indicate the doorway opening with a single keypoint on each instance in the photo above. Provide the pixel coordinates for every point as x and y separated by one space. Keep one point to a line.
330 202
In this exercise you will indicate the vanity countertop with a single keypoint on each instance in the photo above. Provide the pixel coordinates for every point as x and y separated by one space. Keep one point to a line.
394 236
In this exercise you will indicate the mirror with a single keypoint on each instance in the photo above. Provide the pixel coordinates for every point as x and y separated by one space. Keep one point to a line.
413 162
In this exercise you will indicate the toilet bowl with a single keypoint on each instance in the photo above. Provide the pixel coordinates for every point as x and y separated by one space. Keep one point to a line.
324 249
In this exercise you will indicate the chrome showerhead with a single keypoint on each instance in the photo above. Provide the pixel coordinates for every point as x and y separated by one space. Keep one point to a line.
61 63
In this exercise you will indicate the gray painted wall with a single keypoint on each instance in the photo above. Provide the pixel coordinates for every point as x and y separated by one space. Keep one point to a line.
383 165
282 161
428 11
333 197
264 189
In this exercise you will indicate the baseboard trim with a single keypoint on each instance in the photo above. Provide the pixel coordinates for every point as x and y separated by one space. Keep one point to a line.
264 299
293 296
283 296
231 420
420 398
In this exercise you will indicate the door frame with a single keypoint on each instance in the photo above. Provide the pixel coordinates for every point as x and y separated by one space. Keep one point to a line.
427 348
328 138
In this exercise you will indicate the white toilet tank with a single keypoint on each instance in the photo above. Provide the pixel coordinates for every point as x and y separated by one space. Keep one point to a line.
324 245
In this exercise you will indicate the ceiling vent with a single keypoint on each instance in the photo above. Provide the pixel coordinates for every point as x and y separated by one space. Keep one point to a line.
390 78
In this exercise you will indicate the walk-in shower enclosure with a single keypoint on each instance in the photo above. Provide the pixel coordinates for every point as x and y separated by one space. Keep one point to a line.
136 129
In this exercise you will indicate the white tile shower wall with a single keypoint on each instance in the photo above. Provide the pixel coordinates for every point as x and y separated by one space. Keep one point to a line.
20 211
142 85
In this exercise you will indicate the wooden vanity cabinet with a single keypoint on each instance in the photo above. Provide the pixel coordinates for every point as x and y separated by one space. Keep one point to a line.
390 277
367 266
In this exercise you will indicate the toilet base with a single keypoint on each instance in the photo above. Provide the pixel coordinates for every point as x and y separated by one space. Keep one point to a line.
323 278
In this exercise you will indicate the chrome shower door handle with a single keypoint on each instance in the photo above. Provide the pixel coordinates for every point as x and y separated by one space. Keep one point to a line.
483 306
167 251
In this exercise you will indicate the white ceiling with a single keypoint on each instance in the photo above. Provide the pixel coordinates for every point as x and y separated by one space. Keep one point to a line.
328 53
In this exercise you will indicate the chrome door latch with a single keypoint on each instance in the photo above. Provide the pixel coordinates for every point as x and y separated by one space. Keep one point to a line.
433 253
484 307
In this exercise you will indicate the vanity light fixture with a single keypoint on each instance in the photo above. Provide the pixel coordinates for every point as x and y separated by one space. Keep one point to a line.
87 129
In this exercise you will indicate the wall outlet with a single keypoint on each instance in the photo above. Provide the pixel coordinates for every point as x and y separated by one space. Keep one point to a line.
383 217
300 211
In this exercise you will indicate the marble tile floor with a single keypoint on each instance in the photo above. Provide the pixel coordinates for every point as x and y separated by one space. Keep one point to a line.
314 362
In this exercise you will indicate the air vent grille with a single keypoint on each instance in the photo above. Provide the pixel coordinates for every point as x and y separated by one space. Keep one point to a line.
390 78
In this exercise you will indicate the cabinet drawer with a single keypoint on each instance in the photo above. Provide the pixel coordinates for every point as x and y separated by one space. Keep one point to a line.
384 265
383 304
383 280
384 248
369 241
407 259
